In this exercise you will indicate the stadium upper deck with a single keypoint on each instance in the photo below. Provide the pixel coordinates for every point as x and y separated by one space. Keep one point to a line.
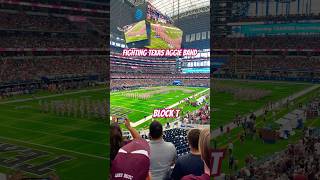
61 42
282 37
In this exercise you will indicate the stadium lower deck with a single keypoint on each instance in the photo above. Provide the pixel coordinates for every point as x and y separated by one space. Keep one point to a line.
64 144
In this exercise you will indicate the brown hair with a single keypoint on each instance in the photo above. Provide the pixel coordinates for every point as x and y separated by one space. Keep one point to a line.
204 146
116 140
193 138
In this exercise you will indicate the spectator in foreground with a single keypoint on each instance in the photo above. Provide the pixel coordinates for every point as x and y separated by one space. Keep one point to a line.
190 163
129 159
116 139
163 154
204 148
132 161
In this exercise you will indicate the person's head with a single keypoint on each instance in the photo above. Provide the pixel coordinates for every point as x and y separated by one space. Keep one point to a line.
193 139
132 160
155 130
116 140
204 146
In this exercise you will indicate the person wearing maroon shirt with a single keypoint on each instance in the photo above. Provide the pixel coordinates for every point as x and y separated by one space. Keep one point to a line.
132 161
132 158
204 148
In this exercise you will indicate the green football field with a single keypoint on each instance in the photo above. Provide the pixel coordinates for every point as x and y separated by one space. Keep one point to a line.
157 43
135 29
226 106
82 140
136 109
173 33
253 145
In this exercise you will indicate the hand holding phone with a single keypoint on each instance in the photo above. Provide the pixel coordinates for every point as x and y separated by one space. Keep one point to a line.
127 123
121 120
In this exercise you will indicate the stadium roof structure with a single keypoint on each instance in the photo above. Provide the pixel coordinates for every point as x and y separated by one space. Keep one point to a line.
181 8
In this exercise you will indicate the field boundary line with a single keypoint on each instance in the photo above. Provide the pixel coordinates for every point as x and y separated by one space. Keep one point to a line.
52 147
137 123
125 91
130 109
50 96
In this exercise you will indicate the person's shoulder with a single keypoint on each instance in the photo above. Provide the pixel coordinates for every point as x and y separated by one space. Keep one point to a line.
185 157
181 159
170 145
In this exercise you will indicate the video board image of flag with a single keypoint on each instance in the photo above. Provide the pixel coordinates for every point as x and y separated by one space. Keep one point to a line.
165 37
136 32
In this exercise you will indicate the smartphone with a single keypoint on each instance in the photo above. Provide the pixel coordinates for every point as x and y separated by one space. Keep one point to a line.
121 120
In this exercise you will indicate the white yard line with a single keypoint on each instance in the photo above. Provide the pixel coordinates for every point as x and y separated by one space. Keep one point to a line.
129 109
134 124
52 147
125 91
49 96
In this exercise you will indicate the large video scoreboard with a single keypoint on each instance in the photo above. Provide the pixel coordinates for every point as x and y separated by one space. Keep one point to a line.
156 31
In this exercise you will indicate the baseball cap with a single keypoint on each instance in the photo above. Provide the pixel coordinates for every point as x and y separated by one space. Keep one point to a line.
132 161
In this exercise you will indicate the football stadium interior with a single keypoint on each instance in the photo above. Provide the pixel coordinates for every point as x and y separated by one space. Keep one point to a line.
53 70
142 84
265 90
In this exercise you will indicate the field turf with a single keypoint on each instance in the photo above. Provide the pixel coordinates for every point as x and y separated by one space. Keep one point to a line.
254 145
157 43
137 27
84 140
173 33
225 106
137 109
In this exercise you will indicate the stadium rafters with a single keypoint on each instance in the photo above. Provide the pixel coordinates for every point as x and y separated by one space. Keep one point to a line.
181 8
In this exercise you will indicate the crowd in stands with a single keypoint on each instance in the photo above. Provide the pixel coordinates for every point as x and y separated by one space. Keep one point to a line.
272 66
93 4
156 69
158 76
24 30
286 18
200 116
33 68
157 159
125 83
23 72
298 63
50 41
269 42
23 21
131 74
101 24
